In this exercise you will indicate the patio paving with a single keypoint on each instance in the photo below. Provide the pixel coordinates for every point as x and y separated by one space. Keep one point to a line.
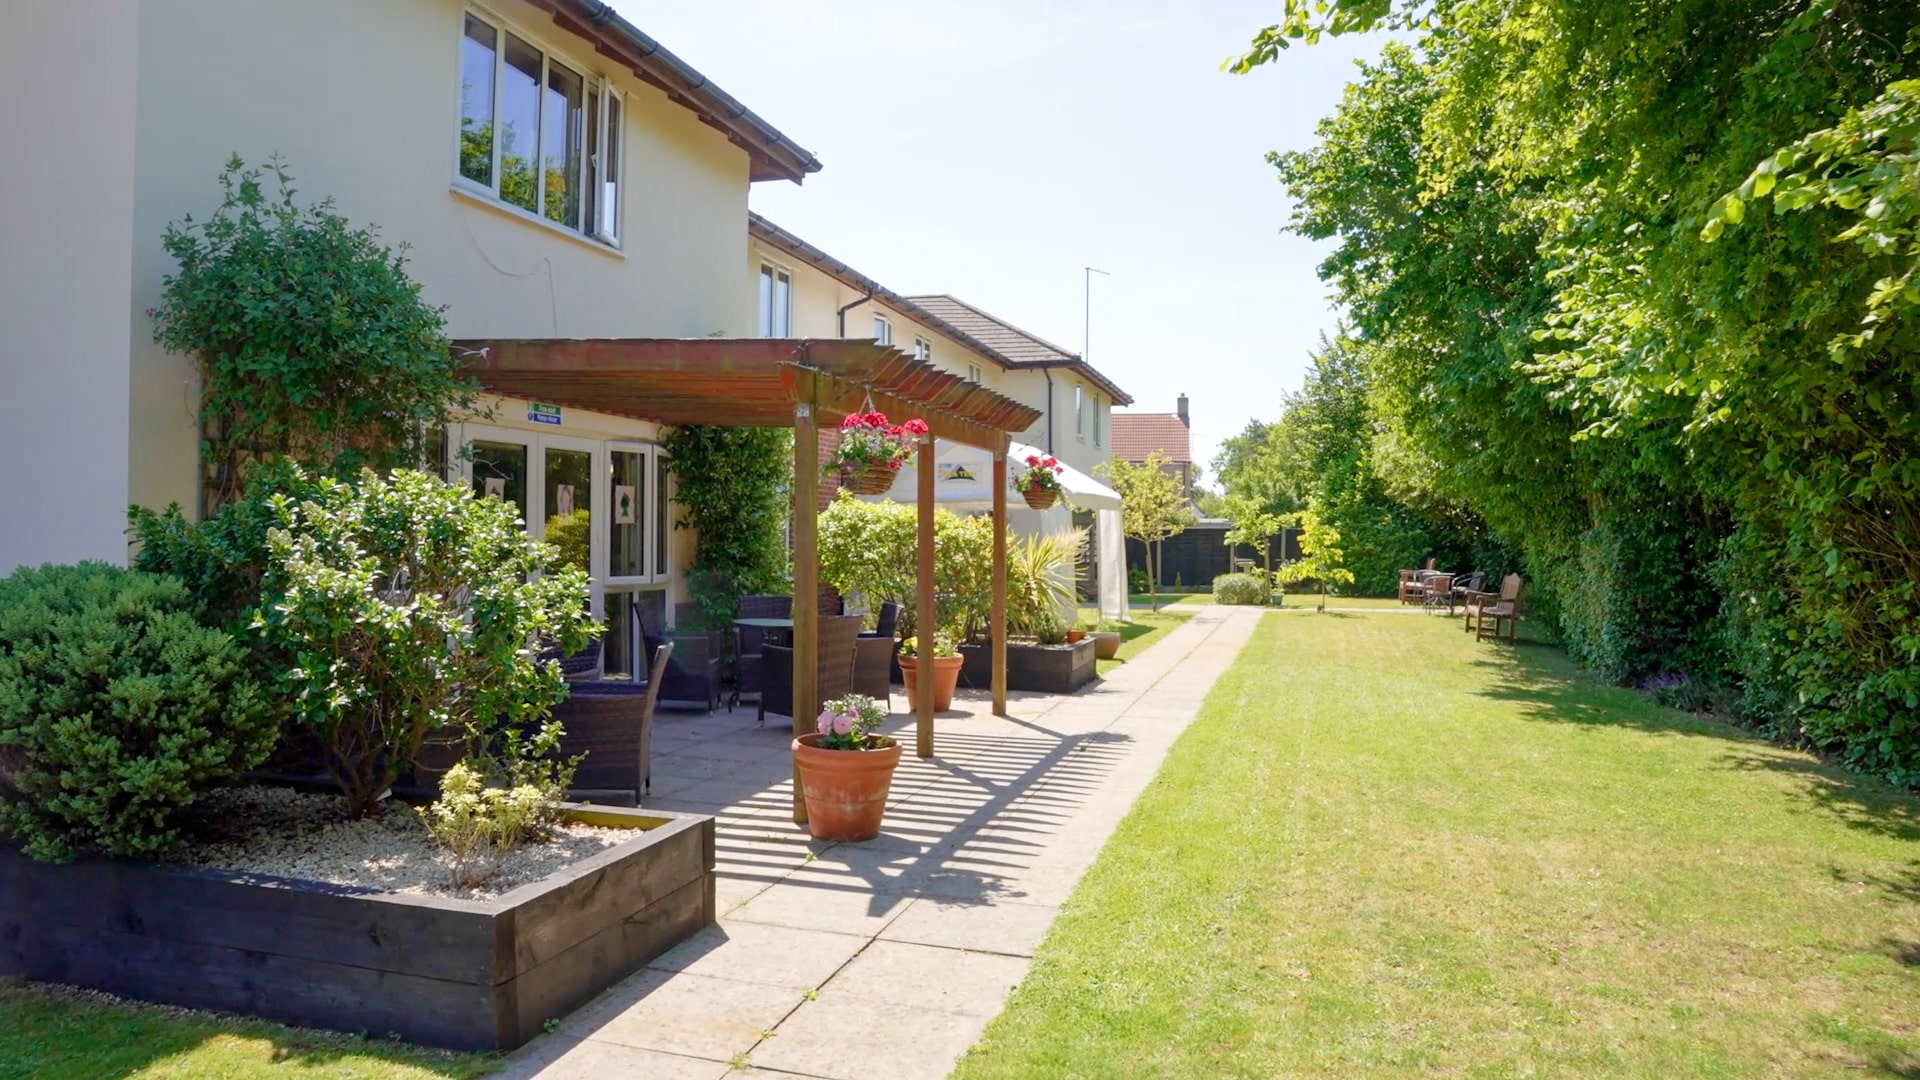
886 958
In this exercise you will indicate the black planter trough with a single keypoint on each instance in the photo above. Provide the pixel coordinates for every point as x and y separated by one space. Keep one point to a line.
437 971
1046 669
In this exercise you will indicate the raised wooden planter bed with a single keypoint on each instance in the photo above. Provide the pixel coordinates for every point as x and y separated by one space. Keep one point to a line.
1046 669
438 971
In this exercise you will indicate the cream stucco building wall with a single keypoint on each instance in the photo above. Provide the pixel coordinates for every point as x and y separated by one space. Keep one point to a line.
818 297
66 226
360 98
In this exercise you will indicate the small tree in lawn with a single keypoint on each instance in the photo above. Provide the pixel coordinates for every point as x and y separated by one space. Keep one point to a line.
1152 507
1254 527
1320 555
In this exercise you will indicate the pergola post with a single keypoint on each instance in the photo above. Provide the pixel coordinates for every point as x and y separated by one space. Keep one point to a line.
926 622
1000 581
806 583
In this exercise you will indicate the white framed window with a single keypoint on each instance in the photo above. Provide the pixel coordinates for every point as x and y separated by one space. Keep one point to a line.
537 132
1099 423
1080 412
776 301
882 330
973 373
922 349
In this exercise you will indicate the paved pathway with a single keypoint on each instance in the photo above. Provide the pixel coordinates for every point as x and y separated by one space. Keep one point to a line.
887 958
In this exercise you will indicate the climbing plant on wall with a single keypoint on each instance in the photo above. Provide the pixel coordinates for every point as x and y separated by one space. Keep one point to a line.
731 486
310 338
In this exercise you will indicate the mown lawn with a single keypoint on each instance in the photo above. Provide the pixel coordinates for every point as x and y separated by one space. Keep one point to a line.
1383 850
48 1034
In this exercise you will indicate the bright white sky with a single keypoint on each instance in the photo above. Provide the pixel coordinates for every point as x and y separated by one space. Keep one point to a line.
991 149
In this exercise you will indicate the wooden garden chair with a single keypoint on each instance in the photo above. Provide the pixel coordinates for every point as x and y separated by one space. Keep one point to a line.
1503 606
1409 586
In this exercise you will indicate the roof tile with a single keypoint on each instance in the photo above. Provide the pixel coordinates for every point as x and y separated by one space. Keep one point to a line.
1137 435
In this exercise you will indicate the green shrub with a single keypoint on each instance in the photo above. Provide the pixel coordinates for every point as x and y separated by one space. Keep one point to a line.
731 486
1137 581
117 708
475 822
1251 589
406 607
311 339
872 549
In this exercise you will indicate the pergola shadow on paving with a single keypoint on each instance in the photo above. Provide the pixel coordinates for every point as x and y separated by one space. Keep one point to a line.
800 383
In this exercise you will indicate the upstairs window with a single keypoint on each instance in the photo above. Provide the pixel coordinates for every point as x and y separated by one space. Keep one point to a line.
776 302
1099 423
973 373
1079 412
537 133
922 349
882 331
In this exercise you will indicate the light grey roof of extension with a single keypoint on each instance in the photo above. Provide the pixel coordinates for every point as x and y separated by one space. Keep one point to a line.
770 233
1023 348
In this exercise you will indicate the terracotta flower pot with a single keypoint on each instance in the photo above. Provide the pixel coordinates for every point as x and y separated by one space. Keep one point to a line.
845 790
872 480
1075 635
1041 500
1106 644
946 676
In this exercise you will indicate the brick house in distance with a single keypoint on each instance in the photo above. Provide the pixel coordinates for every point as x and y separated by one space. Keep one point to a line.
1136 435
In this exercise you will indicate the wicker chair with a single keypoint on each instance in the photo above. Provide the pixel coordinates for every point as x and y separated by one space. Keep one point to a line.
693 676
834 666
610 722
873 654
749 663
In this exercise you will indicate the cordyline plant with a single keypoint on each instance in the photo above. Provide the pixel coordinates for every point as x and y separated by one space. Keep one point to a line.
867 441
1042 476
406 608
852 723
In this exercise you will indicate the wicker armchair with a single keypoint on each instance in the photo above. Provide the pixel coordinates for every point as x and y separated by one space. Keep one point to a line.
873 654
610 722
693 676
834 666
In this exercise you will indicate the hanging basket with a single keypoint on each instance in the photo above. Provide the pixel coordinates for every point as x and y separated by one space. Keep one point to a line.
1041 500
871 480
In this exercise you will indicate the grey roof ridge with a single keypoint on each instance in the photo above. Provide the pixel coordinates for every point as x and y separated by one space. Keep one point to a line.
1065 356
601 12
1067 359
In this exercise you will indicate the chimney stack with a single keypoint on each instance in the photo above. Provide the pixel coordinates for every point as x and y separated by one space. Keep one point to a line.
1181 408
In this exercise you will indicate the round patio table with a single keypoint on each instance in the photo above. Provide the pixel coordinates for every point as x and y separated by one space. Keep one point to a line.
780 628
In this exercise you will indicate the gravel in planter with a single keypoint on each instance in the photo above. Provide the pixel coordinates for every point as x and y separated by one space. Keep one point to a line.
295 834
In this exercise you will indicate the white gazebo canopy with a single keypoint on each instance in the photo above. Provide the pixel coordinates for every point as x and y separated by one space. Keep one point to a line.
963 483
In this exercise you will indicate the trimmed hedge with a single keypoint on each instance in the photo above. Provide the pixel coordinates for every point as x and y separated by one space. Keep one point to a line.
1245 589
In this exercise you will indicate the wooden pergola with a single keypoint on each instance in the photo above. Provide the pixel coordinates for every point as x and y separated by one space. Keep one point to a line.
803 383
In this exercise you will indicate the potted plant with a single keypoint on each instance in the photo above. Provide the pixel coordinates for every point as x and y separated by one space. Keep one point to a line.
943 661
1106 639
1040 484
871 451
846 768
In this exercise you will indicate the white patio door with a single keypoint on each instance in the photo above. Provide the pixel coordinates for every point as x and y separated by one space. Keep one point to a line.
558 482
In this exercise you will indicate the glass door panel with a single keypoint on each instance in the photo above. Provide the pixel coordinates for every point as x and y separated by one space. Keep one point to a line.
627 538
569 504
500 472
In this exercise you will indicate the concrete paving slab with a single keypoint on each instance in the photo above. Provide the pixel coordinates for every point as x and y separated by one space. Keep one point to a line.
908 943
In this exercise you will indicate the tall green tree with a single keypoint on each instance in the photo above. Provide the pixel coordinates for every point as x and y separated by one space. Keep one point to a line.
1636 282
1153 507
